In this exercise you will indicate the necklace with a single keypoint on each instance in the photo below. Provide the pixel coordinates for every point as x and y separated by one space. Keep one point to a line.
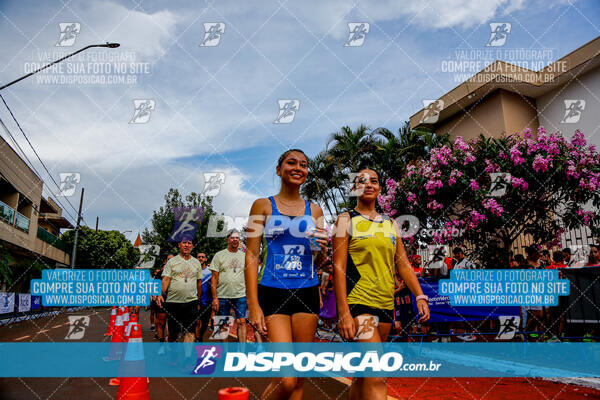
372 218
292 205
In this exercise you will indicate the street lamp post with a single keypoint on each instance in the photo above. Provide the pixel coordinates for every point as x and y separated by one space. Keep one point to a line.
109 45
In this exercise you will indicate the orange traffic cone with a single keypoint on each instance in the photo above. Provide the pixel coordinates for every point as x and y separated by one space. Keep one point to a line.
125 330
117 339
125 314
134 388
117 381
116 345
130 323
234 393
111 323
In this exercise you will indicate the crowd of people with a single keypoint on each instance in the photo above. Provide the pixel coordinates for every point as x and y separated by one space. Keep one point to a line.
291 276
540 323
278 285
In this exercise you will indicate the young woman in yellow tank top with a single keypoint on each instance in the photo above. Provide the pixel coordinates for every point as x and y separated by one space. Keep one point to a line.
367 251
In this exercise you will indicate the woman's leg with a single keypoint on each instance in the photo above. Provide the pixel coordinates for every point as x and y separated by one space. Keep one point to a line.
161 321
372 388
279 327
304 327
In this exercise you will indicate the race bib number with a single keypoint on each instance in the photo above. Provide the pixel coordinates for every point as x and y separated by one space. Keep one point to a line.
295 263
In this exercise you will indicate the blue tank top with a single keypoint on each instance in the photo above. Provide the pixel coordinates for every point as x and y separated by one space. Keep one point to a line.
288 261
206 297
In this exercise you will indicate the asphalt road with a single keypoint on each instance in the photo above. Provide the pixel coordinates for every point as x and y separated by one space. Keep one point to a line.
55 328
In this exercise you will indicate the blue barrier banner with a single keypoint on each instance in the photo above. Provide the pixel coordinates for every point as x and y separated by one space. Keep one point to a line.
442 310
302 359
95 287
36 302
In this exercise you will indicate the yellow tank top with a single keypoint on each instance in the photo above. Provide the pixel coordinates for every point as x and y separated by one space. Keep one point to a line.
370 266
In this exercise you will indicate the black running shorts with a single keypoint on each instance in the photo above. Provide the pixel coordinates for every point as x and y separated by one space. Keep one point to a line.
288 301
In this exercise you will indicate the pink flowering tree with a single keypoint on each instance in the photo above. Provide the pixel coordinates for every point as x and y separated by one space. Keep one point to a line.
550 185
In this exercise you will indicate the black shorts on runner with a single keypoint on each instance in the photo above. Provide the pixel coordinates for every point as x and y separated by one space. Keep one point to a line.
288 301
205 313
156 308
385 316
182 316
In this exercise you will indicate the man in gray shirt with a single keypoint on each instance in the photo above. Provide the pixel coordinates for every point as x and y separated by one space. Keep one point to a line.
182 280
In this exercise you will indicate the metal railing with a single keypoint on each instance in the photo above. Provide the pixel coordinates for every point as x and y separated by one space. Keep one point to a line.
7 213
51 239
22 222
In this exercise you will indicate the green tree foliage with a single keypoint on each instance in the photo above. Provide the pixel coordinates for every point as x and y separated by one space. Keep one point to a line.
6 272
550 185
102 249
163 221
348 151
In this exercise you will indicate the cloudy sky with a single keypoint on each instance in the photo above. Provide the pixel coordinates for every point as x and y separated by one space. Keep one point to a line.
215 104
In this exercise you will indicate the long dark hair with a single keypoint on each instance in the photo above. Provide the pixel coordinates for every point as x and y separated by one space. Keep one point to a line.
286 153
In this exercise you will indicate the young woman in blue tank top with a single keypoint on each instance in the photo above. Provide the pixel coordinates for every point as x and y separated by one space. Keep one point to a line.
283 300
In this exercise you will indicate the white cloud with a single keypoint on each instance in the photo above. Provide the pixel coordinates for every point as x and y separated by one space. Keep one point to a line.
426 15
94 130
126 201
85 128
148 34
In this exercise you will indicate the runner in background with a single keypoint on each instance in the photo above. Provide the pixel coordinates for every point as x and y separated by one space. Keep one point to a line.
181 278
404 315
593 257
559 258
568 262
461 261
205 299
533 315
545 258
415 262
228 286
520 261
158 312
328 311
284 300
367 250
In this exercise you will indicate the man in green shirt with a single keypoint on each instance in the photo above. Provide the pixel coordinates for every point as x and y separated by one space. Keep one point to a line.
228 284
182 286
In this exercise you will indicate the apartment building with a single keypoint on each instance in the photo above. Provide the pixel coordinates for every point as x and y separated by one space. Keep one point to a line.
505 98
30 224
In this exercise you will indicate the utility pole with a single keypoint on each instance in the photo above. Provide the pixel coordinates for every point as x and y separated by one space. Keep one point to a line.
74 252
97 224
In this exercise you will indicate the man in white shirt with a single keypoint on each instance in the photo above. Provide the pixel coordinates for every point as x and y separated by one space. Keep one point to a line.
182 287
461 261
228 283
